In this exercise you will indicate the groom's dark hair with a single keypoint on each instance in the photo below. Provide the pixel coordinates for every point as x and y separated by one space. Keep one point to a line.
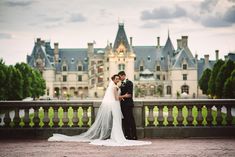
121 73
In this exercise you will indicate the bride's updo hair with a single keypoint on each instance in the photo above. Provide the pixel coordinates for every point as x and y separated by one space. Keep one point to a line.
113 77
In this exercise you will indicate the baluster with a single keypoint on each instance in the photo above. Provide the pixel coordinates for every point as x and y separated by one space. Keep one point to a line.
85 118
219 118
199 115
229 117
160 117
7 119
36 119
170 118
56 119
190 116
26 117
209 117
75 117
150 116
16 118
180 117
46 118
65 118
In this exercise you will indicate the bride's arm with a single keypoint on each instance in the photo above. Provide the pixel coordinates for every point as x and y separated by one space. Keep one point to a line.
115 90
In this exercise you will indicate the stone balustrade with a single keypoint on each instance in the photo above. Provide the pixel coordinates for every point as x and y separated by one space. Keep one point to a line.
154 118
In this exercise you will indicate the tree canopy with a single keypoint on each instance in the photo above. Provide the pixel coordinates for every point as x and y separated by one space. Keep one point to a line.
20 81
203 82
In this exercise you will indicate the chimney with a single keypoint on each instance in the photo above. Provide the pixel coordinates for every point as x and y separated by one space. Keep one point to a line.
131 41
179 44
43 42
56 52
206 57
38 41
184 41
196 57
90 48
217 55
158 42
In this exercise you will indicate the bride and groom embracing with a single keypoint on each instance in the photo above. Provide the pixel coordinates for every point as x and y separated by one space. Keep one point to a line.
116 107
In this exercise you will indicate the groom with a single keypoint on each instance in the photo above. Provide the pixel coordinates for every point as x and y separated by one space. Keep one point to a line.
127 105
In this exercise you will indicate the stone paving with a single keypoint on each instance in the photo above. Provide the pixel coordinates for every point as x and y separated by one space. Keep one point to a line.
159 147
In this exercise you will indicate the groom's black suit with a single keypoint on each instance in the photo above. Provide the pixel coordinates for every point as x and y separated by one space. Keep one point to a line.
127 110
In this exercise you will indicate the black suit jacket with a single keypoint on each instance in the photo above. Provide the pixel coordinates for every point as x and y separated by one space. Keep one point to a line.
127 87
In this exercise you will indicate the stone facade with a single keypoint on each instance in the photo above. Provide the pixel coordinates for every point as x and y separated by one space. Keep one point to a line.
156 71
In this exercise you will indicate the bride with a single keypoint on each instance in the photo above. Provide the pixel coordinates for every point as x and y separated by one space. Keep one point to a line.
107 128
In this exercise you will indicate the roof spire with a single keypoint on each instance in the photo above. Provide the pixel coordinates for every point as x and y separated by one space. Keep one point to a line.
168 32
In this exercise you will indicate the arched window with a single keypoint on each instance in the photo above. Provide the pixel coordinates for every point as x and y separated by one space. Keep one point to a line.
185 89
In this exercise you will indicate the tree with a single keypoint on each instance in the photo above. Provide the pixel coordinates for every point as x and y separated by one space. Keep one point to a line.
203 82
26 72
229 87
38 84
224 73
16 84
3 79
214 73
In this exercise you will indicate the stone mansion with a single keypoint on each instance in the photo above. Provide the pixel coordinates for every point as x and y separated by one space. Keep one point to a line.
156 71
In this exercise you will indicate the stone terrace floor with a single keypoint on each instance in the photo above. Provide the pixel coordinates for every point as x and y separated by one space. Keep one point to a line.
159 147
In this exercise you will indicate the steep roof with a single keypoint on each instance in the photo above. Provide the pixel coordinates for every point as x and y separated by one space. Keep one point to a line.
168 48
121 38
180 57
72 57
39 51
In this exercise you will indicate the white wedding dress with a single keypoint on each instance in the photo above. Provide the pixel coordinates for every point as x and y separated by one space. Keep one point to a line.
107 128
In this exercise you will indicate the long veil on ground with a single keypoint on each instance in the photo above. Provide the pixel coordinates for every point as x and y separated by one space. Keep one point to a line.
101 128
107 128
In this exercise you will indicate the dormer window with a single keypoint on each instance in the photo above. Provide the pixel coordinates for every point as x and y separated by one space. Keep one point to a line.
185 67
85 60
149 59
158 68
80 68
72 60
64 68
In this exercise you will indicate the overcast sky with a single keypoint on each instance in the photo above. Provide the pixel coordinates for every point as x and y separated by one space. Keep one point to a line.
210 24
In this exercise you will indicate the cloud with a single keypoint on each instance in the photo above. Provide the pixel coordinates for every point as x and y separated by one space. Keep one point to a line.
150 25
229 15
208 13
105 13
77 18
18 3
208 5
224 19
5 36
214 21
163 13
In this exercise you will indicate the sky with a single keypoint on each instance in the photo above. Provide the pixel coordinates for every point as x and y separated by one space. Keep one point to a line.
209 24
